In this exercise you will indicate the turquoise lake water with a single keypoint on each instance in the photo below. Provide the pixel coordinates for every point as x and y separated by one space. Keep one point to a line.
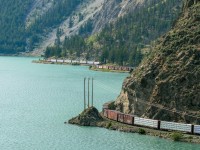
36 100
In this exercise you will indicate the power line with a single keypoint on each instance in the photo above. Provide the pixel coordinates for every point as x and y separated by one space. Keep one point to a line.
107 88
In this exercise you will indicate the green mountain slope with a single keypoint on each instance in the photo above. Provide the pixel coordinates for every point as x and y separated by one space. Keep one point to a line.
113 44
15 37
166 86
12 27
121 42
52 18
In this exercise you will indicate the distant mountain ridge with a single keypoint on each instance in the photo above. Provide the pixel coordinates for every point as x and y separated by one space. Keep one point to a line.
126 37
39 20
98 12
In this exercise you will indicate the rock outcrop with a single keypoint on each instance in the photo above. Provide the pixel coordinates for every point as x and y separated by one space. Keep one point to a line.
89 117
189 3
38 9
112 10
166 85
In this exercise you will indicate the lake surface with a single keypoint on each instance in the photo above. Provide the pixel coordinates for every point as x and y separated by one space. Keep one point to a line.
36 100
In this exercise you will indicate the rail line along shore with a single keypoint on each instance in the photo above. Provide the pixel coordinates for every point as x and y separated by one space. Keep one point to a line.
66 61
93 65
115 120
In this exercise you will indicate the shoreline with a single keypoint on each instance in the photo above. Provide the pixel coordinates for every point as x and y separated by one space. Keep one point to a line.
113 125
78 64
108 70
121 127
56 63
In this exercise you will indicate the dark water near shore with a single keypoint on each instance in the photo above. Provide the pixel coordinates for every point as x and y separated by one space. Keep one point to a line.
36 99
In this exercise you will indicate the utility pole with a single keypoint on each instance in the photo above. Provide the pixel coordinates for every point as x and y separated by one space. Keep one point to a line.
84 95
87 104
88 92
92 92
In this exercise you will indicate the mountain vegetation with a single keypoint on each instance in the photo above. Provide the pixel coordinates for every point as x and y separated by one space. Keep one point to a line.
121 42
15 37
52 18
12 27
166 86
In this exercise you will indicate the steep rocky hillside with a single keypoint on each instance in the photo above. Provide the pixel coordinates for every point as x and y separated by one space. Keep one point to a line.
37 9
166 85
113 9
86 10
99 12
121 41
32 24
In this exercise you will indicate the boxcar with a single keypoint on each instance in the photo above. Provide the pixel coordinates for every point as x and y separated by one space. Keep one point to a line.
116 67
100 67
120 117
165 125
124 68
146 122
129 119
112 114
105 113
196 129
105 67
111 67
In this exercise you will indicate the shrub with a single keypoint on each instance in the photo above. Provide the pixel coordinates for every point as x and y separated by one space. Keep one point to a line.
112 106
141 131
190 137
176 136
109 125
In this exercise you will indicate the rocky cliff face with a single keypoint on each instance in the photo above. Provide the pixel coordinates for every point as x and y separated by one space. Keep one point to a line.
166 85
88 8
38 9
100 12
112 9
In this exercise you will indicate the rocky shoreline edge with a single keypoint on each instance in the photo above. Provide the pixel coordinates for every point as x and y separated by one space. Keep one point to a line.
107 70
91 117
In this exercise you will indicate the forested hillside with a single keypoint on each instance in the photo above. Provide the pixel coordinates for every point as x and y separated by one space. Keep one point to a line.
52 18
12 27
121 42
15 37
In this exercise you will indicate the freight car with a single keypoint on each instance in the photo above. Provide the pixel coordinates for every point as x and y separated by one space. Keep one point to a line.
112 114
120 117
156 124
128 119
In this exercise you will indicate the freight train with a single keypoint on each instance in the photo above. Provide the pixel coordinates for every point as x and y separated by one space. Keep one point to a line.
120 68
150 123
